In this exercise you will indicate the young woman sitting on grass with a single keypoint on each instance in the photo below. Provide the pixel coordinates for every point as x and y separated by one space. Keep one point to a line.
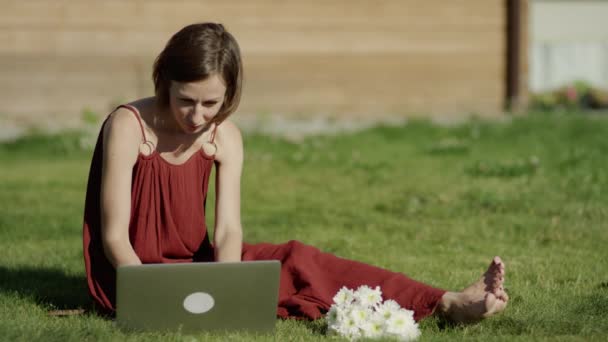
148 184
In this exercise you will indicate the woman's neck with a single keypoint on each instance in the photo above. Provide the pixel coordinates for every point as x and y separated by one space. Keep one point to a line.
170 136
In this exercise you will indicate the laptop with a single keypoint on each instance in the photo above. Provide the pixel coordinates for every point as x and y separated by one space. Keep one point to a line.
197 297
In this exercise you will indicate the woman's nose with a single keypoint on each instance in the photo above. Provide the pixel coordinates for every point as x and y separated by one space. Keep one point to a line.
199 111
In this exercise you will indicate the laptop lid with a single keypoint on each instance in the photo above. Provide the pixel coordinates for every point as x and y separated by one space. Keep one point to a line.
195 297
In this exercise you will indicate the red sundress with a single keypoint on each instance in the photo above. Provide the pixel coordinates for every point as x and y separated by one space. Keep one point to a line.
167 225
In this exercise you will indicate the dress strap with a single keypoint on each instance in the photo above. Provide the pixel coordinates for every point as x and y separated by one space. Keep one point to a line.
138 117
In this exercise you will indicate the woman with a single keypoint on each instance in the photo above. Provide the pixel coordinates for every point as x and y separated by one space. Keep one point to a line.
148 185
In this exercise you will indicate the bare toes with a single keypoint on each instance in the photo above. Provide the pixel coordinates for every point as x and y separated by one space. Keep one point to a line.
505 296
500 265
489 303
501 294
496 265
494 305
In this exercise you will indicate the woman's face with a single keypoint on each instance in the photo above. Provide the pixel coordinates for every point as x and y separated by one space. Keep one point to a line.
194 104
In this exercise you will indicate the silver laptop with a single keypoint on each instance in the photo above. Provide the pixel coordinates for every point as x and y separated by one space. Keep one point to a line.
195 297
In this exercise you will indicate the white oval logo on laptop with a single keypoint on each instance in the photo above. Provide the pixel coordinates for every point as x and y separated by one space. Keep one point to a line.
198 302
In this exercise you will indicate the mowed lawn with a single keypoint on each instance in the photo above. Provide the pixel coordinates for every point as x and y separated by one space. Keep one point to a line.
436 203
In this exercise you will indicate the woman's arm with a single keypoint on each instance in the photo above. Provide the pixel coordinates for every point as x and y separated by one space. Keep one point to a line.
121 142
228 234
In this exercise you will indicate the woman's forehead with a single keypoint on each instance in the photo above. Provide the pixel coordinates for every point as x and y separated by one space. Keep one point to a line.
209 88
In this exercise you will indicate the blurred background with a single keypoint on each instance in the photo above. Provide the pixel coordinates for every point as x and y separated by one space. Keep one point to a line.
64 62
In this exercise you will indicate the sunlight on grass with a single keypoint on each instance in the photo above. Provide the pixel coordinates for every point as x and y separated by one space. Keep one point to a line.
436 203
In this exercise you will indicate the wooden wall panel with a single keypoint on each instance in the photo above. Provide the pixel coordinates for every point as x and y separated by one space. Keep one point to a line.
339 57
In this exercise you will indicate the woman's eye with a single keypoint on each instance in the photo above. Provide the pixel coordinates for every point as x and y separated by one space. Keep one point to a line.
210 103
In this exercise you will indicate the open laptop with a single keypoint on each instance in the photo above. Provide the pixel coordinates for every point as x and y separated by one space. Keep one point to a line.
195 297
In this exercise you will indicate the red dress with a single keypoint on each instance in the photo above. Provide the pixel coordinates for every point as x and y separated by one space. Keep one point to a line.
167 225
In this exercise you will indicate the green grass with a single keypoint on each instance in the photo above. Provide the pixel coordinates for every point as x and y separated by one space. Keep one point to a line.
435 203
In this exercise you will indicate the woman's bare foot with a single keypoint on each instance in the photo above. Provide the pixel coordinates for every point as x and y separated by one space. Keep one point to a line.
482 299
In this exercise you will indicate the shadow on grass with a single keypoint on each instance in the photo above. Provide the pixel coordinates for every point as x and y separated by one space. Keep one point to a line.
49 287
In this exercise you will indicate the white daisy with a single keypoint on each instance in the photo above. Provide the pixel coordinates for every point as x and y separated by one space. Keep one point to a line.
344 296
367 296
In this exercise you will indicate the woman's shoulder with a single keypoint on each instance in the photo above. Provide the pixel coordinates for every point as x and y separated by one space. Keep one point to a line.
123 125
228 130
229 141
144 107
122 120
130 116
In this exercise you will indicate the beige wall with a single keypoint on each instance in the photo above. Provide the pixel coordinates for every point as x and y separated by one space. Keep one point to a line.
561 54
339 57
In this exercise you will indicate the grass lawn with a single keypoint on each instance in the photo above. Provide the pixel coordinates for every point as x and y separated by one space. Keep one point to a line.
436 203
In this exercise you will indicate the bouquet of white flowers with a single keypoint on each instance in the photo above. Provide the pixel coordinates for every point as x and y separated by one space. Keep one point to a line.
362 314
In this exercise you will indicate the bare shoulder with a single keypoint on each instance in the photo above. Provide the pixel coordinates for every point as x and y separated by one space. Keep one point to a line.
123 124
228 130
229 142
122 135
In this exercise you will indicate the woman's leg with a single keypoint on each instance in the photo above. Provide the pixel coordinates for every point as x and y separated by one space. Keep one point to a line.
310 279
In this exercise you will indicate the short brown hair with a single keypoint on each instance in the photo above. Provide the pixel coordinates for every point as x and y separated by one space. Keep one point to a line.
196 52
